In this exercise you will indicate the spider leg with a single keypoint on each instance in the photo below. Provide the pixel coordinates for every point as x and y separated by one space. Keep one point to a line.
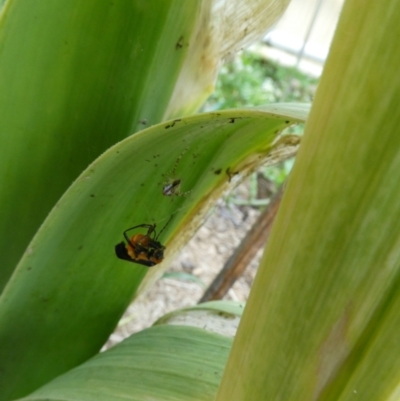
169 220
150 227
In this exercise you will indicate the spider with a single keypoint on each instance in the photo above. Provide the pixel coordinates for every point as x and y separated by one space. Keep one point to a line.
172 185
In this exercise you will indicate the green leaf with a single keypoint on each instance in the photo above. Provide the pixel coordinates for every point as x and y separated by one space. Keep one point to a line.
161 363
69 276
75 78
170 361
322 321
220 317
226 308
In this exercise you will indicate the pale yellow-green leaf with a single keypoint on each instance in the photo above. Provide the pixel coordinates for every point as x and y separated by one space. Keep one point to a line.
224 28
323 318
220 317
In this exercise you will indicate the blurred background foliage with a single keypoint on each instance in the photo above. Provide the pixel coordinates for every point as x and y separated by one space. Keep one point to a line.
249 79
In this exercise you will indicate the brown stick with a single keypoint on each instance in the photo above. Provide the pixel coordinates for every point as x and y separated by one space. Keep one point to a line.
252 242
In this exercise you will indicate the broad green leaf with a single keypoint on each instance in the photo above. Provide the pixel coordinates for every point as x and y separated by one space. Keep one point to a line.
75 78
69 290
323 318
165 362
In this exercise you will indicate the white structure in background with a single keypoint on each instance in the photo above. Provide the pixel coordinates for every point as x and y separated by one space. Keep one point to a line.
302 37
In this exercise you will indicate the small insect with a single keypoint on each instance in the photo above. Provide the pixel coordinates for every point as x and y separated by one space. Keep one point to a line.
144 249
172 185
172 188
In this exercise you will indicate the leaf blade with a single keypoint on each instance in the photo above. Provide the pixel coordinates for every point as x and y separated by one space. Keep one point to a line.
63 102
